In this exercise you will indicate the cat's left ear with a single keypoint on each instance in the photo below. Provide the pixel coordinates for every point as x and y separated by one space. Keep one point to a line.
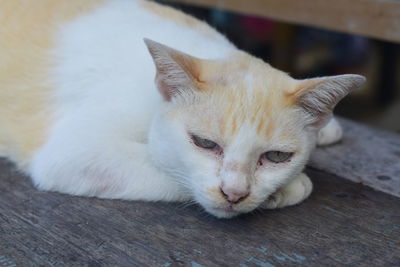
319 96
176 71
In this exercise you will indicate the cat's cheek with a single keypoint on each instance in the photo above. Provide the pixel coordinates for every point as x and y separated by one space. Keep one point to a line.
210 159
205 181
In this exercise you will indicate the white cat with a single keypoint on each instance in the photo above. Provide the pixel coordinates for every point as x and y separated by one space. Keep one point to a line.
80 112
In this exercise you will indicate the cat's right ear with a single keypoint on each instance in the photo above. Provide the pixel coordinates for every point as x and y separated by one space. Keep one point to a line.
176 71
319 96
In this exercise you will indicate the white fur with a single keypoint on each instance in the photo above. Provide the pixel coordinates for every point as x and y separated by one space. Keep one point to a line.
106 100
330 134
292 193
115 137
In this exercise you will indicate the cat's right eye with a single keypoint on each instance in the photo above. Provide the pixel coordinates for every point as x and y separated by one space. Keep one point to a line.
205 143
277 156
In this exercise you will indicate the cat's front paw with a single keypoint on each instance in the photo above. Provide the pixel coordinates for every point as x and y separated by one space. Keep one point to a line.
290 194
330 133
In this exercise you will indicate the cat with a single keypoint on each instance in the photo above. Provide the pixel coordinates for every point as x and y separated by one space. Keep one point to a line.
81 114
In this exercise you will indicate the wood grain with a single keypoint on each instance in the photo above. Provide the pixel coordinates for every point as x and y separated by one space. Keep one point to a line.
342 223
365 155
372 18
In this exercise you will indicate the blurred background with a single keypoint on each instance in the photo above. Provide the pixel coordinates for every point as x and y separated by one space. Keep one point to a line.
306 52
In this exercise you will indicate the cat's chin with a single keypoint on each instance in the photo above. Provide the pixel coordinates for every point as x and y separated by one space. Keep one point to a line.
223 213
224 209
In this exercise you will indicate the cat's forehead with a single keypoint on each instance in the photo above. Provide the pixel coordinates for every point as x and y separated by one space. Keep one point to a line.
244 71
252 94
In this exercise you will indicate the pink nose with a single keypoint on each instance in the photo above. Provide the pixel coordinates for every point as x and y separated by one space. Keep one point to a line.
234 196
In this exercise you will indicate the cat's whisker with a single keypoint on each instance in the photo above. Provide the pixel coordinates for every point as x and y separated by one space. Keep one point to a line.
188 203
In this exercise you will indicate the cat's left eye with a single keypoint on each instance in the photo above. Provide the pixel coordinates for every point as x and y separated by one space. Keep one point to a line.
205 143
277 156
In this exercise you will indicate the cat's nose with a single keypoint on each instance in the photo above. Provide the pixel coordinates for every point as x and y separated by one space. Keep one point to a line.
234 196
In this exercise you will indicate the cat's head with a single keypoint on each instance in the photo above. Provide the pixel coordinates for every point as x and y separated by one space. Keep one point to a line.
233 131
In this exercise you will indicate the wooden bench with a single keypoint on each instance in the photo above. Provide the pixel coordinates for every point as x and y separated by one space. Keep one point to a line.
342 223
371 18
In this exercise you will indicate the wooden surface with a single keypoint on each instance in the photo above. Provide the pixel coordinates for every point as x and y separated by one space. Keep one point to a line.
365 155
341 224
372 18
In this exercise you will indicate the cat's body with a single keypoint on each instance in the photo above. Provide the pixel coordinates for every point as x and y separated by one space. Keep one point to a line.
95 47
80 113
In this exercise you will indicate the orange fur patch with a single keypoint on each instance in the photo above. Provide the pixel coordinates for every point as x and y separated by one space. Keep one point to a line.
249 91
26 38
215 193
301 88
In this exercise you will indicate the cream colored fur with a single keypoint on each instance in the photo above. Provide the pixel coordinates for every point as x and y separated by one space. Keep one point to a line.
81 114
26 39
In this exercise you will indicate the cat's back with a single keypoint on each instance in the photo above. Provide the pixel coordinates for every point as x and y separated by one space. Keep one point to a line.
26 39
57 55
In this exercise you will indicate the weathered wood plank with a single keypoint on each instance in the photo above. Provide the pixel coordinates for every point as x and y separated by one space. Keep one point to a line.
365 155
372 18
341 223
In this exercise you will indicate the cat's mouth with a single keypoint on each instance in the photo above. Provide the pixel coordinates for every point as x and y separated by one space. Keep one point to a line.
221 208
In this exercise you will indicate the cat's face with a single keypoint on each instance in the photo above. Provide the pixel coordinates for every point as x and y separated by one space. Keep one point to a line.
232 132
